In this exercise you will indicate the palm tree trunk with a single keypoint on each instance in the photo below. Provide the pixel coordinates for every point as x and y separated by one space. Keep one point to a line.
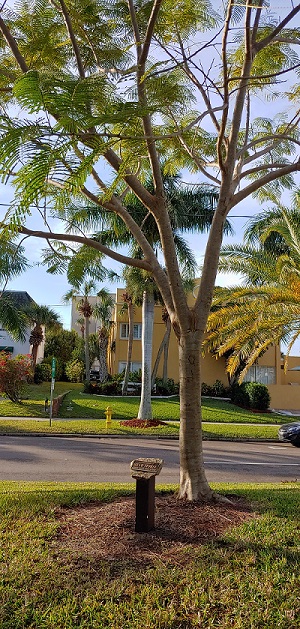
166 351
36 339
103 345
145 409
86 348
129 347
193 482
162 349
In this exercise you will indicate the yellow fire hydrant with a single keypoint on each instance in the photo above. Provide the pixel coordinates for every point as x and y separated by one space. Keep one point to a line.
108 413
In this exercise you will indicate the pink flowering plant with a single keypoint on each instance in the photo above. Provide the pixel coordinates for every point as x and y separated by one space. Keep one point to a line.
14 375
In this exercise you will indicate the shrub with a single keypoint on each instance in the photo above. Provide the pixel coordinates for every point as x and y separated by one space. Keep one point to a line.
206 389
166 388
59 367
74 370
251 395
110 387
42 373
259 395
239 395
219 390
135 376
14 375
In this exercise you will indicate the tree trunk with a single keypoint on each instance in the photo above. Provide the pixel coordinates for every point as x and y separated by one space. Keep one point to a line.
129 347
163 348
103 345
86 348
166 351
193 483
35 339
145 409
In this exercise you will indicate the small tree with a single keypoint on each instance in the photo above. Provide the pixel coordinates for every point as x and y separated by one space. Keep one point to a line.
41 317
14 374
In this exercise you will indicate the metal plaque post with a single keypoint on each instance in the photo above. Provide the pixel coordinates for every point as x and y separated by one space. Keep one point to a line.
144 471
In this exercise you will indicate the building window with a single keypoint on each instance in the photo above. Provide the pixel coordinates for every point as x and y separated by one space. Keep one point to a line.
261 374
133 366
137 331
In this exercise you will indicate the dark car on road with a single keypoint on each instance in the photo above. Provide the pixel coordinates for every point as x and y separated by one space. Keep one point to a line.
290 432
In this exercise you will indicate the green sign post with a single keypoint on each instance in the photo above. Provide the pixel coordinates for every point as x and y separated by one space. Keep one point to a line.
53 367
53 372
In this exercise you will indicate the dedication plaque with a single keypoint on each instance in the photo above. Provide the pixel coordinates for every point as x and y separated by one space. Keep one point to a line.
145 468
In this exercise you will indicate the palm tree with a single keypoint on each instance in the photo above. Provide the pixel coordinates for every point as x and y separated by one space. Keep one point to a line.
102 311
85 309
40 317
247 319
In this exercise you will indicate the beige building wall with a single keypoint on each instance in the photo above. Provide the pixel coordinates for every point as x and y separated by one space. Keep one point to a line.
75 315
285 392
285 397
212 369
291 377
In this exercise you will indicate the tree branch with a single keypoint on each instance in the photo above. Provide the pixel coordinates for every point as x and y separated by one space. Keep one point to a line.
150 30
87 241
262 167
75 47
263 181
267 40
13 46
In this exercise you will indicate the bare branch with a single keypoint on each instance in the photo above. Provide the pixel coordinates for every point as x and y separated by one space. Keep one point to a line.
150 30
267 40
75 47
256 22
195 81
263 181
252 79
277 138
13 46
225 84
135 27
87 241
257 169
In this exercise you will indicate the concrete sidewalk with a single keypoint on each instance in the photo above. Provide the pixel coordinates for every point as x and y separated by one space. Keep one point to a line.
88 419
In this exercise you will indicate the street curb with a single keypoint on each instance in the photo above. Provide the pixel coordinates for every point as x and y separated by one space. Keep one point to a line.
146 437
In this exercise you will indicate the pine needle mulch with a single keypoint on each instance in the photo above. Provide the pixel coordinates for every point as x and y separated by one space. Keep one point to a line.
105 531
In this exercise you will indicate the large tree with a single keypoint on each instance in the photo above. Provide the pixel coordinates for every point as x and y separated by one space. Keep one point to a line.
135 85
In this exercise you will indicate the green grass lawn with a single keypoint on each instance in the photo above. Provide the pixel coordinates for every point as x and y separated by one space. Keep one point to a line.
246 579
80 405
85 414
98 427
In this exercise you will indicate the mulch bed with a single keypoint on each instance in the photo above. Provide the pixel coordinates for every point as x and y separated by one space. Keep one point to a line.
142 423
105 531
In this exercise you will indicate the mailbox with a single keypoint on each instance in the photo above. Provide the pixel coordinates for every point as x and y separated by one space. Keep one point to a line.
144 471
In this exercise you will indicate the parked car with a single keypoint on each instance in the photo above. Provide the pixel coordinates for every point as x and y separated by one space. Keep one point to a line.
290 432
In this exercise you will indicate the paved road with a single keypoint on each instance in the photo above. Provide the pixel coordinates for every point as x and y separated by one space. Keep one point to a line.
107 459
